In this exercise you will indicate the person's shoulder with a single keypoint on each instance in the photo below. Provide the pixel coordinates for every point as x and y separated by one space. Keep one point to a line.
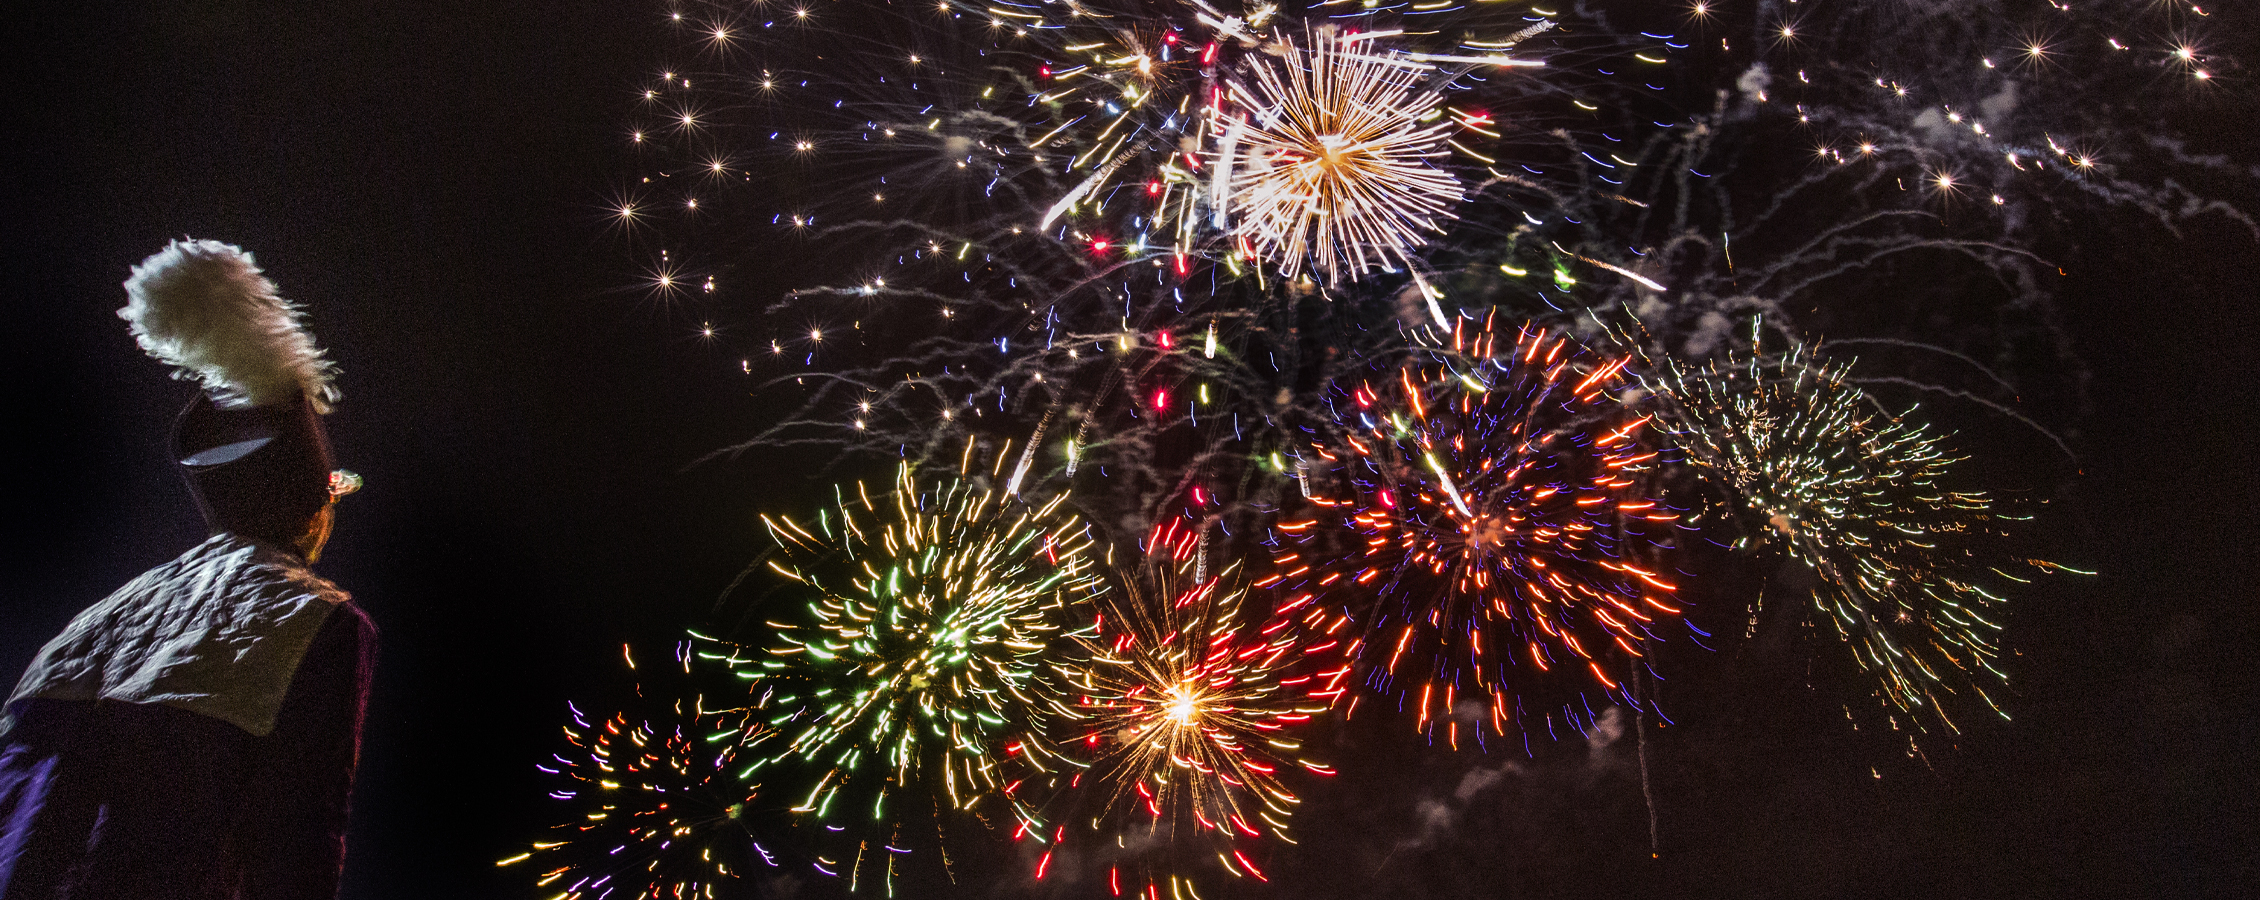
360 617
265 567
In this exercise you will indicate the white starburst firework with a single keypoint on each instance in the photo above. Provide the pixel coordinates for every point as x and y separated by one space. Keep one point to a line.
1333 158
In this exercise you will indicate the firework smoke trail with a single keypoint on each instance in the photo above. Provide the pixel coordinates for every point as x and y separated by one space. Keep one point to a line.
1850 169
659 810
932 651
1496 493
1857 497
1192 705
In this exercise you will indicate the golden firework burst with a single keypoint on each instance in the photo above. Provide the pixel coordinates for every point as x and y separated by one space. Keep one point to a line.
1332 157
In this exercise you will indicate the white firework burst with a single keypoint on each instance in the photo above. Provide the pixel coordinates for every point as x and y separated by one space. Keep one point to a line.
1334 157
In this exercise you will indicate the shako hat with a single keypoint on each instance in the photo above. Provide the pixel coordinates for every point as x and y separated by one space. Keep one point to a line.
251 443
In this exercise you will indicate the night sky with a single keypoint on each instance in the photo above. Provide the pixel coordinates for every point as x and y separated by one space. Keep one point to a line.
431 178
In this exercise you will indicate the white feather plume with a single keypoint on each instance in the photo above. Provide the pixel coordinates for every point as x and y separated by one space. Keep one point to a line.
204 308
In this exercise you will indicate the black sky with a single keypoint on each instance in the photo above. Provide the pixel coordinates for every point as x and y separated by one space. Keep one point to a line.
430 178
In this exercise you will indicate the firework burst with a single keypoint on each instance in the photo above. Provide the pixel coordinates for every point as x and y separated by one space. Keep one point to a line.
1857 497
1189 719
1335 160
659 810
931 655
1505 531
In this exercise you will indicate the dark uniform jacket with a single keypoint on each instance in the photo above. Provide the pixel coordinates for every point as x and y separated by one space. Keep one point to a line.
192 737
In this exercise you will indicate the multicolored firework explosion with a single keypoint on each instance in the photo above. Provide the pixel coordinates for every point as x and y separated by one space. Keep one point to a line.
1190 721
1499 492
929 658
1421 318
660 808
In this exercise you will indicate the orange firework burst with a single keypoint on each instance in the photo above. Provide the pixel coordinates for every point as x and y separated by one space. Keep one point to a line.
1497 492
1189 717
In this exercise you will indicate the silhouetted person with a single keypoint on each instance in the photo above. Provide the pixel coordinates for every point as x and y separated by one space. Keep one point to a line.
194 735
